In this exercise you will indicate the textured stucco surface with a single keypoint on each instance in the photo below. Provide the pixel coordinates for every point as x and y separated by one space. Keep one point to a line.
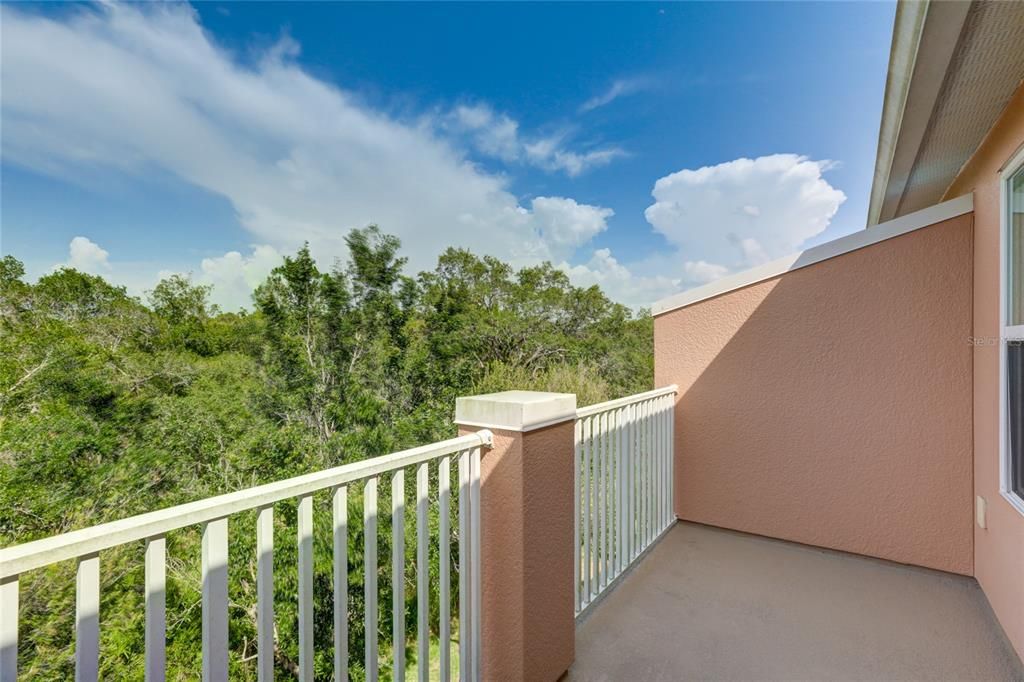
998 549
832 405
709 604
526 535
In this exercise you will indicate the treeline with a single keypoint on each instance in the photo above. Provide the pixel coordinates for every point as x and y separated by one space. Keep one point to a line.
111 406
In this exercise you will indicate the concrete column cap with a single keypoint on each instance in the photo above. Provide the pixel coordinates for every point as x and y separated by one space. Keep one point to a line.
515 410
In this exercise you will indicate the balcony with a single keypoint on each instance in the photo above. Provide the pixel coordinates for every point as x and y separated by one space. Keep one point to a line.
565 554
646 597
707 603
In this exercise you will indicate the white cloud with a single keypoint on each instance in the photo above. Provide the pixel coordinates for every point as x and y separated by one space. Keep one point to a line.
619 282
719 219
566 225
547 153
746 211
497 135
618 88
702 272
493 134
142 88
86 255
563 224
750 249
234 277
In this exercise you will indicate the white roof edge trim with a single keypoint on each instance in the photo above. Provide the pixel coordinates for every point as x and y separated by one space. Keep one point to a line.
816 254
908 23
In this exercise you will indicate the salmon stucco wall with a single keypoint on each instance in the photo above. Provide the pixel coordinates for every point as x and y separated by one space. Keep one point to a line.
832 405
527 611
999 548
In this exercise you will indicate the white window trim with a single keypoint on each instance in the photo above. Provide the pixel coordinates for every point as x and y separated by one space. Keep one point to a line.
1007 331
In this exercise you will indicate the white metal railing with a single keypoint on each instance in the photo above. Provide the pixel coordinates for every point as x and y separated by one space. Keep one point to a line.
623 486
212 514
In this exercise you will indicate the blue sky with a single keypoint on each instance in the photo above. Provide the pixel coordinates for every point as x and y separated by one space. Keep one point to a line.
647 148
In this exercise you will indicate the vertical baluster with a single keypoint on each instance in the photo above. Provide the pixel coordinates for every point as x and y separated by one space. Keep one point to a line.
595 553
265 594
305 538
660 464
616 445
464 581
606 499
606 479
156 601
595 491
655 467
398 573
474 560
609 439
666 415
339 504
627 448
620 491
634 439
631 483
612 498
654 471
600 497
577 517
87 619
587 489
672 457
637 479
650 472
655 479
627 462
594 429
635 484
215 600
667 449
9 629
370 576
639 438
444 569
606 459
422 572
645 495
644 483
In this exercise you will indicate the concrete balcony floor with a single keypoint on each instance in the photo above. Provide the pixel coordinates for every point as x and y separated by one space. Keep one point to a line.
712 604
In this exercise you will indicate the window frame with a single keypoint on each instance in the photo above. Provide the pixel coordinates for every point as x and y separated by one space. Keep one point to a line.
1006 330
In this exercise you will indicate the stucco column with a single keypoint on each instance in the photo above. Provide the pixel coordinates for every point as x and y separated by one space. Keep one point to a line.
526 572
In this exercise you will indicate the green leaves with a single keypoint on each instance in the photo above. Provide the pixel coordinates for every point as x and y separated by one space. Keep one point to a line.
109 407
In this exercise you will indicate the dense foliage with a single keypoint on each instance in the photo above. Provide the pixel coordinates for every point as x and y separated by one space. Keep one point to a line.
110 407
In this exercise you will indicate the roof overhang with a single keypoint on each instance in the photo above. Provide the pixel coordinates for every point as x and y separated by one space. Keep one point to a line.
953 67
924 37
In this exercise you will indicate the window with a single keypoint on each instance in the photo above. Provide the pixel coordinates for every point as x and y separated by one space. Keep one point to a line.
1012 344
1015 416
1015 244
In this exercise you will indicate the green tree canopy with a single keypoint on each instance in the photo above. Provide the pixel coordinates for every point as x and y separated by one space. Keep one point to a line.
110 407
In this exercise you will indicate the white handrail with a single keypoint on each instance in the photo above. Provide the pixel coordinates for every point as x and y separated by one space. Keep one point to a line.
31 555
213 515
597 408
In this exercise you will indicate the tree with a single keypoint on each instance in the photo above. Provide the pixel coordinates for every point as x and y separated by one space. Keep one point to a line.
184 310
110 407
